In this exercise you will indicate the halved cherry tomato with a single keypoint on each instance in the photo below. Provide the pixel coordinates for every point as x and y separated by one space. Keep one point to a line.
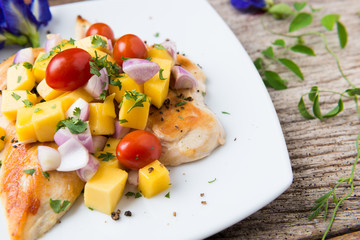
68 70
129 46
137 149
101 29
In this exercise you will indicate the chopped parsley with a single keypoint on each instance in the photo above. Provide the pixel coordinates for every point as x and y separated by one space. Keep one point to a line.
225 113
106 156
180 103
137 195
130 194
45 56
97 63
161 74
28 92
19 79
71 41
97 41
103 95
180 117
27 65
148 58
14 95
91 208
123 120
2 138
159 46
115 82
37 110
212 181
59 206
29 171
77 112
139 98
167 195
27 103
46 175
75 125
157 34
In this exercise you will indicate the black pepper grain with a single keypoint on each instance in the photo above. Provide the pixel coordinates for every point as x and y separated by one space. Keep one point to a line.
116 215
150 169
128 213
162 119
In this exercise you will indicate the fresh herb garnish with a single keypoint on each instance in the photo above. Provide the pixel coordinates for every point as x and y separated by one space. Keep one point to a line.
148 58
29 171
2 138
129 194
37 110
27 103
157 34
115 82
14 95
161 74
77 112
123 120
159 46
46 175
180 103
212 181
223 112
19 79
137 195
106 156
138 97
58 206
75 125
28 65
91 208
103 95
97 41
167 195
71 41
97 63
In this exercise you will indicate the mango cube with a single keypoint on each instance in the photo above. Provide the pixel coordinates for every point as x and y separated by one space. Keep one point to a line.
134 117
99 123
12 100
69 98
40 66
20 77
153 179
24 128
96 42
156 88
104 190
111 144
128 84
46 92
154 52
2 138
108 159
45 118
109 107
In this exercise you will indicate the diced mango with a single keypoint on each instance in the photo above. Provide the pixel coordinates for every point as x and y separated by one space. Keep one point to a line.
96 42
40 66
20 77
109 108
12 100
111 144
46 92
24 127
153 179
69 98
156 88
45 118
104 190
99 123
128 84
155 52
136 117
108 158
2 138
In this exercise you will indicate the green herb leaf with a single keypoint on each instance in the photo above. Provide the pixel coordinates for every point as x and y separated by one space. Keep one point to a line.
259 64
292 67
279 42
91 209
157 34
269 52
58 206
167 195
37 110
129 194
139 98
19 79
212 181
44 57
75 126
316 108
27 103
301 20
71 41
2 138
106 156
299 5
148 58
116 82
161 74
303 111
123 120
103 95
14 95
97 41
137 195
313 93
342 34
299 48
281 11
46 175
77 112
225 113
353 91
28 65
328 21
97 63
180 103
274 80
159 46
29 171
335 111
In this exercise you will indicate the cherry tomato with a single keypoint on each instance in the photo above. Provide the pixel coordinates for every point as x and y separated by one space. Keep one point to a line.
100 29
129 46
68 70
137 149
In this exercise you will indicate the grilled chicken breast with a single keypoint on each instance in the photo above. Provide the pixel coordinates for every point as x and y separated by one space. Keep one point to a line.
190 131
26 197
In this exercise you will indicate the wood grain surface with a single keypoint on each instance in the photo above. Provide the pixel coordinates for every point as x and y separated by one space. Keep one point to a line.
320 151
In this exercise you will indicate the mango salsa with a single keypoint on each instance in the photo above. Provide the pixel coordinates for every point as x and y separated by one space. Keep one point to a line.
128 84
157 89
130 114
108 158
69 98
46 92
95 42
155 52
24 127
104 190
45 118
100 124
12 100
153 179
20 77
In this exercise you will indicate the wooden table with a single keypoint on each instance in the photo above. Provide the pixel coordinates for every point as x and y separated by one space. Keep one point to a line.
320 151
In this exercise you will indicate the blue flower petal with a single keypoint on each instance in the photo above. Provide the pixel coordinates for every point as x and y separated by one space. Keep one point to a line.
245 4
41 11
2 20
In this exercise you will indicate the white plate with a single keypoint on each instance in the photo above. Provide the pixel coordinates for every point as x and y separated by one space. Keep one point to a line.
251 169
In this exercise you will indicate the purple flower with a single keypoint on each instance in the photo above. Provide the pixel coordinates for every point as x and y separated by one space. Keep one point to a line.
245 5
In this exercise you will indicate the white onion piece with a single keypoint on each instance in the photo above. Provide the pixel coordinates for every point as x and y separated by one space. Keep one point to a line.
140 70
171 48
120 131
49 158
52 41
96 84
99 142
87 172
182 78
133 177
73 156
24 55
84 109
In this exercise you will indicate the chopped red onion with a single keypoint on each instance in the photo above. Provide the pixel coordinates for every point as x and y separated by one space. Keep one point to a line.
52 41
99 142
87 172
24 55
84 109
73 156
49 158
120 131
182 78
97 84
141 70
171 48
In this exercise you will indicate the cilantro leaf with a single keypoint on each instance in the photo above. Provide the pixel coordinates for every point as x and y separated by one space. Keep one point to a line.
59 206
77 112
161 74
29 171
139 98
106 156
75 126
97 41
28 65
159 46
103 95
14 95
116 82
27 103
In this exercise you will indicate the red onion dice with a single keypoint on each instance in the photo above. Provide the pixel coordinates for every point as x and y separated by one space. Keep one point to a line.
73 156
181 78
141 70
120 131
49 158
97 84
52 41
87 172
133 177
170 47
99 142
24 55
84 109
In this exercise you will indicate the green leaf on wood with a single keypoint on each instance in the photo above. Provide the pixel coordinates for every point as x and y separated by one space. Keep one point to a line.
279 42
269 52
281 11
316 108
259 64
299 5
336 110
303 111
292 67
274 80
353 91
301 20
313 92
299 48
328 21
342 34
